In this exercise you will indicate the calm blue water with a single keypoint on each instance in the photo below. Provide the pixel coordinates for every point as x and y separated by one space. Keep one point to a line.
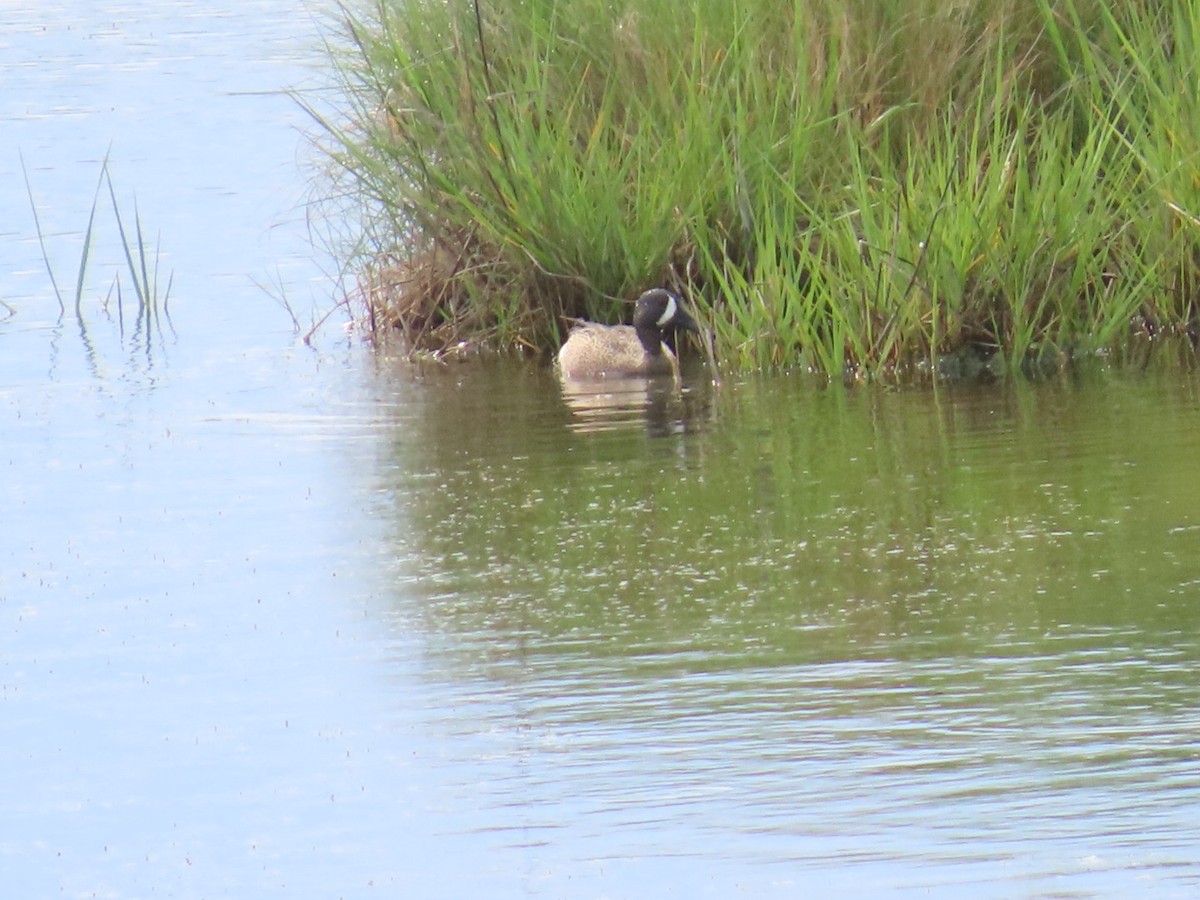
306 621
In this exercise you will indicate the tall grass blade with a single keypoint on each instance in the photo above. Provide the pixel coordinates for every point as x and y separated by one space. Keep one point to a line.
86 250
41 235
136 268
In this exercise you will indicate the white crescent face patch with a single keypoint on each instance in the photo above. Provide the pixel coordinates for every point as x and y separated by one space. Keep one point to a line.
668 313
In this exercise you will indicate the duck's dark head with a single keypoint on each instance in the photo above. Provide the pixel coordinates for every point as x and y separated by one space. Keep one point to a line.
658 311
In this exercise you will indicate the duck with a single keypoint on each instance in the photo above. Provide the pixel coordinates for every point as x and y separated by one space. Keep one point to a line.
593 350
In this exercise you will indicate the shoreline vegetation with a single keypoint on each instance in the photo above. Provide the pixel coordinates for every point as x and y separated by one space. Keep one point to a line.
854 188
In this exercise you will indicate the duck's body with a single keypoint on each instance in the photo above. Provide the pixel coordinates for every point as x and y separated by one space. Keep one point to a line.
593 350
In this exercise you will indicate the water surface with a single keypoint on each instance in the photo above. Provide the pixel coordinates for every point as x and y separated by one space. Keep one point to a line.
314 622
883 639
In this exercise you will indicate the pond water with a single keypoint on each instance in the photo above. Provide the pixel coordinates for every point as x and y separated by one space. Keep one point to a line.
317 623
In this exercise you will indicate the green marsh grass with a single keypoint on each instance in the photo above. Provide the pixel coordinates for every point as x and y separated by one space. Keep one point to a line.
141 261
846 186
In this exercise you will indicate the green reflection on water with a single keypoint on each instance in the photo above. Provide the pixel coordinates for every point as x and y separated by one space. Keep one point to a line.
776 522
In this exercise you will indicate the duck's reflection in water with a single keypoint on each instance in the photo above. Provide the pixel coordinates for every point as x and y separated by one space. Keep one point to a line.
661 405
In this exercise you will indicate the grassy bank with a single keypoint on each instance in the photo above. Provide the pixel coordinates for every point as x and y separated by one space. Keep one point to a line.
842 185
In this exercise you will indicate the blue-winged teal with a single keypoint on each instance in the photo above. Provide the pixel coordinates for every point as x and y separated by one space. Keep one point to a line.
594 351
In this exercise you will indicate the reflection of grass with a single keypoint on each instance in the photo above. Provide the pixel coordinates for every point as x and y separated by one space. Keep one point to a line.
805 525
141 261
